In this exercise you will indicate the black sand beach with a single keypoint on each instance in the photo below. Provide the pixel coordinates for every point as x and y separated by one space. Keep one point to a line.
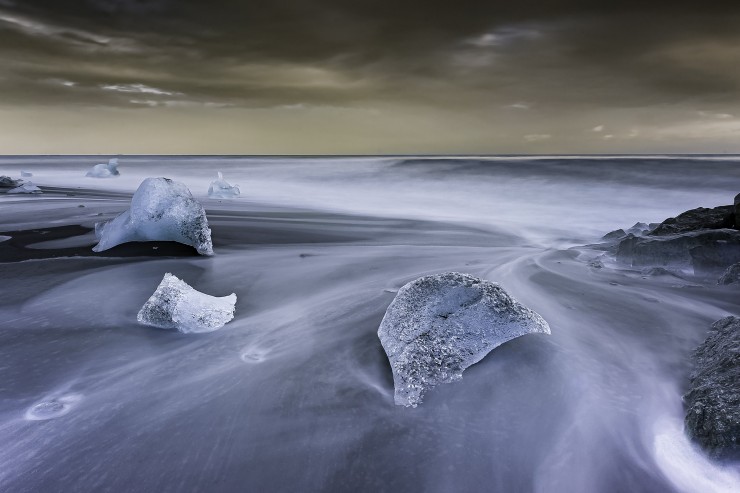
295 394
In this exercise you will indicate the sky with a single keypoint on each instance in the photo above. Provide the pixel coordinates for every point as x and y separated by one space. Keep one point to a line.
369 77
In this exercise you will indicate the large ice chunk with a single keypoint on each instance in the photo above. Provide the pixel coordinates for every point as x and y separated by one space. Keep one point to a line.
176 305
27 187
161 210
104 170
439 325
221 189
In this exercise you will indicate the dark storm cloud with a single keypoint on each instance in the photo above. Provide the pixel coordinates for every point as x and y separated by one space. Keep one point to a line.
350 50
534 72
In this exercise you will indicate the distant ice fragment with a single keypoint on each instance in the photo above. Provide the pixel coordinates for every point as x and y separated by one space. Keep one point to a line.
221 189
26 174
176 305
27 187
104 170
161 210
5 238
439 325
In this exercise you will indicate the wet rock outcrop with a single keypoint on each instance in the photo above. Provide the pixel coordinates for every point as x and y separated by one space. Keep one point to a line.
706 252
713 400
705 241
731 275
8 182
697 219
614 235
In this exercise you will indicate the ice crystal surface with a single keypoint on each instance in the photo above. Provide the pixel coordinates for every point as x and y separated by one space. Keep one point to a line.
176 305
161 210
439 325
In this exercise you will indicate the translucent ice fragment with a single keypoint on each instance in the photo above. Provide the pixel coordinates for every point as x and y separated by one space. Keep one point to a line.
439 325
161 210
176 305
105 170
221 189
27 187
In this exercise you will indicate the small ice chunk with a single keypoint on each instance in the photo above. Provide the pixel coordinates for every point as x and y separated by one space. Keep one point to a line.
439 325
176 305
26 174
221 189
5 238
27 187
104 170
161 210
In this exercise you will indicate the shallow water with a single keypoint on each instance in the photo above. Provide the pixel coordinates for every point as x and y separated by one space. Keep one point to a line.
296 394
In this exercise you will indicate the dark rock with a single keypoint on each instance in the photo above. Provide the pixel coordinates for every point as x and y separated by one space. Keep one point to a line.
697 219
714 258
713 400
614 235
8 182
731 275
737 211
596 264
626 248
639 229
658 271
704 251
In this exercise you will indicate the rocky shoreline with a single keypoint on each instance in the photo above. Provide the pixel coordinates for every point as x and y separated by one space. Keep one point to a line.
703 242
713 400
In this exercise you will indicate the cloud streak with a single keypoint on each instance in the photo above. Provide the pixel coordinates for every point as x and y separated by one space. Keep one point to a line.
139 89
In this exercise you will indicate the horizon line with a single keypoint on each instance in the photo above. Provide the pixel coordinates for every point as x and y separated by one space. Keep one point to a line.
420 155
